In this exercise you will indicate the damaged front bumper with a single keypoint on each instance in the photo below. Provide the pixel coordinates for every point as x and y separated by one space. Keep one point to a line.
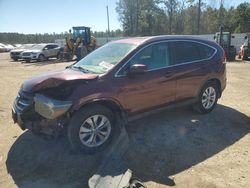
38 112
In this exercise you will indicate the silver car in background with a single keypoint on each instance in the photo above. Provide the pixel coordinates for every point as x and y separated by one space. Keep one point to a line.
41 52
15 54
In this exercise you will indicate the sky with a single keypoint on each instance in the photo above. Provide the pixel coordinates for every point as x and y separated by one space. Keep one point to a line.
48 16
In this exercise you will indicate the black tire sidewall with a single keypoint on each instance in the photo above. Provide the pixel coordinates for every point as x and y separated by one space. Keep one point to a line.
201 108
41 59
76 121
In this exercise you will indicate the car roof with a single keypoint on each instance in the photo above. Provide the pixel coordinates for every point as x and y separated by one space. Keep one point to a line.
45 44
143 40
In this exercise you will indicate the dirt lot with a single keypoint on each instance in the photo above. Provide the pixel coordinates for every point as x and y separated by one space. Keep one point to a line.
177 147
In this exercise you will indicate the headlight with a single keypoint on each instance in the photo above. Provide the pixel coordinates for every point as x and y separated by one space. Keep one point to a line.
50 108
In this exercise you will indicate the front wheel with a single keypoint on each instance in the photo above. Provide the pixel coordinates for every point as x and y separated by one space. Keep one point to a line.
41 58
91 129
208 98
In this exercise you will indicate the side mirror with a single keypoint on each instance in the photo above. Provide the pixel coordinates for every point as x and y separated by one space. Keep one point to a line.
214 37
233 36
137 69
245 37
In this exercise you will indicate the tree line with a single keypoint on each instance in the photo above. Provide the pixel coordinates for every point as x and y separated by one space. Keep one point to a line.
19 38
154 17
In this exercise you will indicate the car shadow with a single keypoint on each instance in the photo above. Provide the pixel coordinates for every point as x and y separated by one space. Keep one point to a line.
172 141
35 162
160 146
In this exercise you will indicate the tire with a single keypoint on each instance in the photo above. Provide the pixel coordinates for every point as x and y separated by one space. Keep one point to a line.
15 59
83 134
41 58
81 52
205 104
244 58
58 56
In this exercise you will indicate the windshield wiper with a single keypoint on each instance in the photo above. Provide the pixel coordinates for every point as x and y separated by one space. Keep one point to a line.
81 68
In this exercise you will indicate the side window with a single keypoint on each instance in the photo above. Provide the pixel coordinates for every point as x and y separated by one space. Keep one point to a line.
48 47
205 51
54 46
183 52
154 57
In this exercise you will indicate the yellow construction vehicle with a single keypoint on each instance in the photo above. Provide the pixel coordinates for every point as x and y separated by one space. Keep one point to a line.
244 52
78 43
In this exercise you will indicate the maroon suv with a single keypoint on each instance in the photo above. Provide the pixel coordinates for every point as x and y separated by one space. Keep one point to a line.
123 78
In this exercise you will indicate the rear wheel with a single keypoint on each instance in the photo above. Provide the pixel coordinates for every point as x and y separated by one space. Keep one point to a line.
208 98
244 57
91 129
81 52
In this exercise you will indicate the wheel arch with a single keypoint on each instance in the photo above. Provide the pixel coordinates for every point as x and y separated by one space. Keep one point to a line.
213 80
113 105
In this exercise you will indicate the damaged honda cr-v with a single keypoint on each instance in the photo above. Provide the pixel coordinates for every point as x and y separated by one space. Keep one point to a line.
121 79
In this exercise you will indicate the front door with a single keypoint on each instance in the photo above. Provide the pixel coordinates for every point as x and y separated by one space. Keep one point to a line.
153 88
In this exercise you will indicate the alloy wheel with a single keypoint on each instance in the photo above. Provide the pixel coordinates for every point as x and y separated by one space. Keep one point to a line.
95 131
208 97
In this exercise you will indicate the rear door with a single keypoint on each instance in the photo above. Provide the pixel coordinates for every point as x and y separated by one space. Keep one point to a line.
54 50
189 59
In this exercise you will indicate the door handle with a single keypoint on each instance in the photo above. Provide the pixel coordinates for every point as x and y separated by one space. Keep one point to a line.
169 74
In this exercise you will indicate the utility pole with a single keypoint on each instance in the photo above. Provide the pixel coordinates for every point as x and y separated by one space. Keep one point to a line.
199 17
220 20
108 24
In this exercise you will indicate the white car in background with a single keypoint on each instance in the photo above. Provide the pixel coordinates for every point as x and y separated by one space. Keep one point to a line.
41 52
15 54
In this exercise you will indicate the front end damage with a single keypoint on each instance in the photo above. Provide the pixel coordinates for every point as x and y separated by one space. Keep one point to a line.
41 114
42 104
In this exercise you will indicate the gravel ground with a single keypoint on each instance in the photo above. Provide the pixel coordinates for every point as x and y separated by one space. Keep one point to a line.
177 147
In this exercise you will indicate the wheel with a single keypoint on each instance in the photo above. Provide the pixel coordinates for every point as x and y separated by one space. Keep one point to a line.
27 61
58 56
41 58
208 98
244 56
91 129
81 52
15 59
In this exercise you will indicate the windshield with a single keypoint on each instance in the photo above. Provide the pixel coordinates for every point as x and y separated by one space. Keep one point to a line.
26 46
38 47
103 59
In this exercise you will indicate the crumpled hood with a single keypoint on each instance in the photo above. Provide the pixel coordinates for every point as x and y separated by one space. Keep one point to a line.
55 78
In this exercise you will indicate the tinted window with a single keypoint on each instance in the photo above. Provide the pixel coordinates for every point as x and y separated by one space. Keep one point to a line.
54 46
154 57
183 52
205 51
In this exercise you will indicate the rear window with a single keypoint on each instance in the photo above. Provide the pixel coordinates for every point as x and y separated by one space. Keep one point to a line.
183 52
205 51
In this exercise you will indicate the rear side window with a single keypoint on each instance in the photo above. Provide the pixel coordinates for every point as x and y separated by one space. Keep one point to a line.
184 52
205 51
